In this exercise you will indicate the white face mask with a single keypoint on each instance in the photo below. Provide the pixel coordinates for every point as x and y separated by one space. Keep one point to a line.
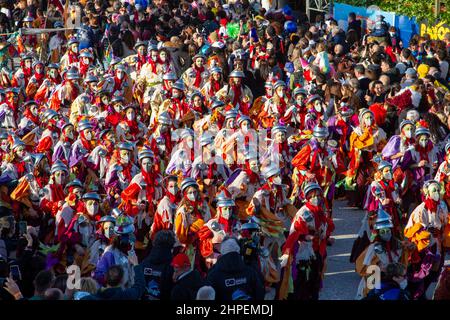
176 94
191 196
299 100
86 61
245 129
59 177
130 116
88 136
277 180
423 143
69 135
190 144
226 213
120 75
34 111
368 122
403 284
92 209
147 165
318 106
408 134
314 201
387 176
109 232
173 190
125 158
254 167
435 196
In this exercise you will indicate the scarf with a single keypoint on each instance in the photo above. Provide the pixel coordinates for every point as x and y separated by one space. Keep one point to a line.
227 224
237 89
431 205
39 77
317 211
73 57
173 198
195 205
118 83
20 167
141 61
83 68
281 107
57 192
133 126
27 113
212 169
424 152
152 65
215 86
315 164
198 76
126 170
150 180
252 176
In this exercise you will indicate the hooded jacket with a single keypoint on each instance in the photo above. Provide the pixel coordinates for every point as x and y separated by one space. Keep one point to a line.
158 274
231 274
187 287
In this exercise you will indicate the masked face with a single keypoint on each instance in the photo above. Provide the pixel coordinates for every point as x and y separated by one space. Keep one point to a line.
154 55
69 132
108 229
141 51
315 200
387 174
368 120
163 56
39 69
176 93
299 99
78 193
88 134
217 76
276 180
93 109
74 48
163 128
280 92
53 73
433 191
86 61
423 141
385 234
269 92
34 110
199 63
226 212
28 64
147 164
120 75
192 194
237 81
172 187
131 115
280 137
231 124
318 105
245 126
59 177
125 156
20 152
4 144
190 142
92 207
253 164
408 131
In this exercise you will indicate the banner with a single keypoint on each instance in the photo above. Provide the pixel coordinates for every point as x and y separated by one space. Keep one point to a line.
436 31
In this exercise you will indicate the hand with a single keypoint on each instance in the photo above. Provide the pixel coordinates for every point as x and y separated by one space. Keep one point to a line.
284 260
12 287
422 163
368 98
133 259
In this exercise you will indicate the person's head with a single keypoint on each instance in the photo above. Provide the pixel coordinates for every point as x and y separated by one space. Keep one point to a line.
378 88
88 284
395 272
359 70
206 293
44 280
114 276
229 245
164 239
351 16
181 264
61 282
53 294
385 80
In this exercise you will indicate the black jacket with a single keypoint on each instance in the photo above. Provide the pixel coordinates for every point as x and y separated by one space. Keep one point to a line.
158 274
187 287
133 293
230 274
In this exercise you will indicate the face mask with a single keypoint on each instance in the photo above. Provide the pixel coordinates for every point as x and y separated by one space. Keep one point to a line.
388 176
368 122
154 57
4 145
92 209
280 94
109 232
226 213
130 116
245 129
125 158
254 168
314 201
423 143
59 177
86 61
190 144
408 134
191 197
164 129
34 112
277 180
120 75
403 284
176 94
21 153
117 108
435 196
299 101
147 165
173 190
88 136
318 106
75 49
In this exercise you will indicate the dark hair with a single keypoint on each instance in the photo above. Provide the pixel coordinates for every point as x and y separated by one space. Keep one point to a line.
43 281
393 270
164 238
61 282
114 276
54 294
360 68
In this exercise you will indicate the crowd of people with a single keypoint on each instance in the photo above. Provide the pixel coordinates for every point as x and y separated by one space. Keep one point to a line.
193 150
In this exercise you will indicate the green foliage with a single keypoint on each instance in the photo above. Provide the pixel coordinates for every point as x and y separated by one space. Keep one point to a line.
420 9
